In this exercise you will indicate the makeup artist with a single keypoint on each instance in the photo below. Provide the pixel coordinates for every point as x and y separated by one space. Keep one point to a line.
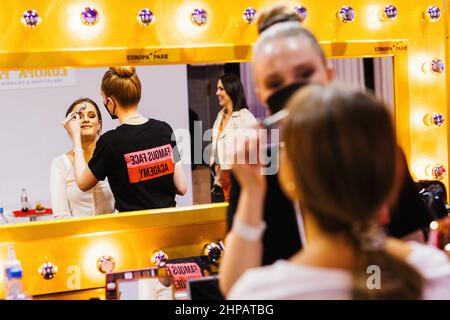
140 157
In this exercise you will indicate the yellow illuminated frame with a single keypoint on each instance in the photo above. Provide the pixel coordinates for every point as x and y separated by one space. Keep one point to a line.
60 40
74 245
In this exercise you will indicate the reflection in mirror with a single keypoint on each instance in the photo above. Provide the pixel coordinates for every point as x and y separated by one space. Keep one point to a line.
144 289
143 284
35 103
375 74
206 288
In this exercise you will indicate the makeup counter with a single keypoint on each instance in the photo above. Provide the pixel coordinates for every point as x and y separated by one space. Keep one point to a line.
69 259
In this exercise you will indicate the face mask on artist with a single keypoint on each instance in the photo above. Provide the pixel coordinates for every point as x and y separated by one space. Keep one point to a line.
278 99
113 116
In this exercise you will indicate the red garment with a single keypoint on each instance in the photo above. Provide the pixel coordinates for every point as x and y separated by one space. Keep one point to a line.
226 183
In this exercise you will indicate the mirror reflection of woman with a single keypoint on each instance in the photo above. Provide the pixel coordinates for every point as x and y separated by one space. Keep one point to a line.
140 157
341 163
286 57
67 199
233 116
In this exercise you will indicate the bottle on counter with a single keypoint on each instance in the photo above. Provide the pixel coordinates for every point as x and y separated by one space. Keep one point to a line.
2 216
13 278
24 201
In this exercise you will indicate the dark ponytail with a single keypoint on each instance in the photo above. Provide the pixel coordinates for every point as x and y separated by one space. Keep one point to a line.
399 280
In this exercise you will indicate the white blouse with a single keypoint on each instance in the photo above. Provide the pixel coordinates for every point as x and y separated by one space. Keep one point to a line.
68 200
239 125
285 280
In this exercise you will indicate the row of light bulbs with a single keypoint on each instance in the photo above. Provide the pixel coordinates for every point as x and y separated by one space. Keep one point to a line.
435 119
158 258
437 171
90 16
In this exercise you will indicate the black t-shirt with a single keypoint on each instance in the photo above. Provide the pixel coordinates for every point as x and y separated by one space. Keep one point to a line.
281 239
139 161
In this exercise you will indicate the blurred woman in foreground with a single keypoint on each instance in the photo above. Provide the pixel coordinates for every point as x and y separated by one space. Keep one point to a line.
341 163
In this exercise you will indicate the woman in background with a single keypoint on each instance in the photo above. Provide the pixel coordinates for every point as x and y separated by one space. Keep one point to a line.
341 163
233 117
67 199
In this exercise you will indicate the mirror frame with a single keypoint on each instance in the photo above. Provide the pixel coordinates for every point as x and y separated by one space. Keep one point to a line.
410 40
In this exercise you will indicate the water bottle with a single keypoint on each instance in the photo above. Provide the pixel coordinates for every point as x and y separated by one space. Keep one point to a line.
24 201
14 286
2 216
13 278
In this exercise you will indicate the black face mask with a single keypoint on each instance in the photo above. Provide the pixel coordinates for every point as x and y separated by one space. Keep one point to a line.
113 116
278 99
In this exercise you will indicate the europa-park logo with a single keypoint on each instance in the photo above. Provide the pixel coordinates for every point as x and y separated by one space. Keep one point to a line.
148 56
390 48
34 73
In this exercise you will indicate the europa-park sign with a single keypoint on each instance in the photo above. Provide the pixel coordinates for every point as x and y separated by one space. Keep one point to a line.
37 78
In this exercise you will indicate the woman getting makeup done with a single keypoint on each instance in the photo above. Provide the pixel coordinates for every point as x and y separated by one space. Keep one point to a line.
140 157
66 198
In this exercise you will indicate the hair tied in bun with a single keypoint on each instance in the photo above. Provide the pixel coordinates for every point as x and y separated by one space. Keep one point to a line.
271 16
274 20
123 72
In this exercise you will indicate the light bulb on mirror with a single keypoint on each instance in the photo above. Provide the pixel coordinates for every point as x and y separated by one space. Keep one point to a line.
47 271
432 14
106 264
249 15
213 251
434 119
30 18
436 171
199 17
159 258
389 13
435 67
145 17
346 14
89 16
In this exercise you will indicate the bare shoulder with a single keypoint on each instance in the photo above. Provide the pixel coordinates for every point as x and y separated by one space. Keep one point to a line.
398 248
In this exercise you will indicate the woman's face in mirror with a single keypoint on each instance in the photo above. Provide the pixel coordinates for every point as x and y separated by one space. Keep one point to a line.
89 120
284 61
224 98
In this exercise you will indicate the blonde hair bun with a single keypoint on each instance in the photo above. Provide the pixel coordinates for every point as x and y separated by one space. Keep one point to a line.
123 72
